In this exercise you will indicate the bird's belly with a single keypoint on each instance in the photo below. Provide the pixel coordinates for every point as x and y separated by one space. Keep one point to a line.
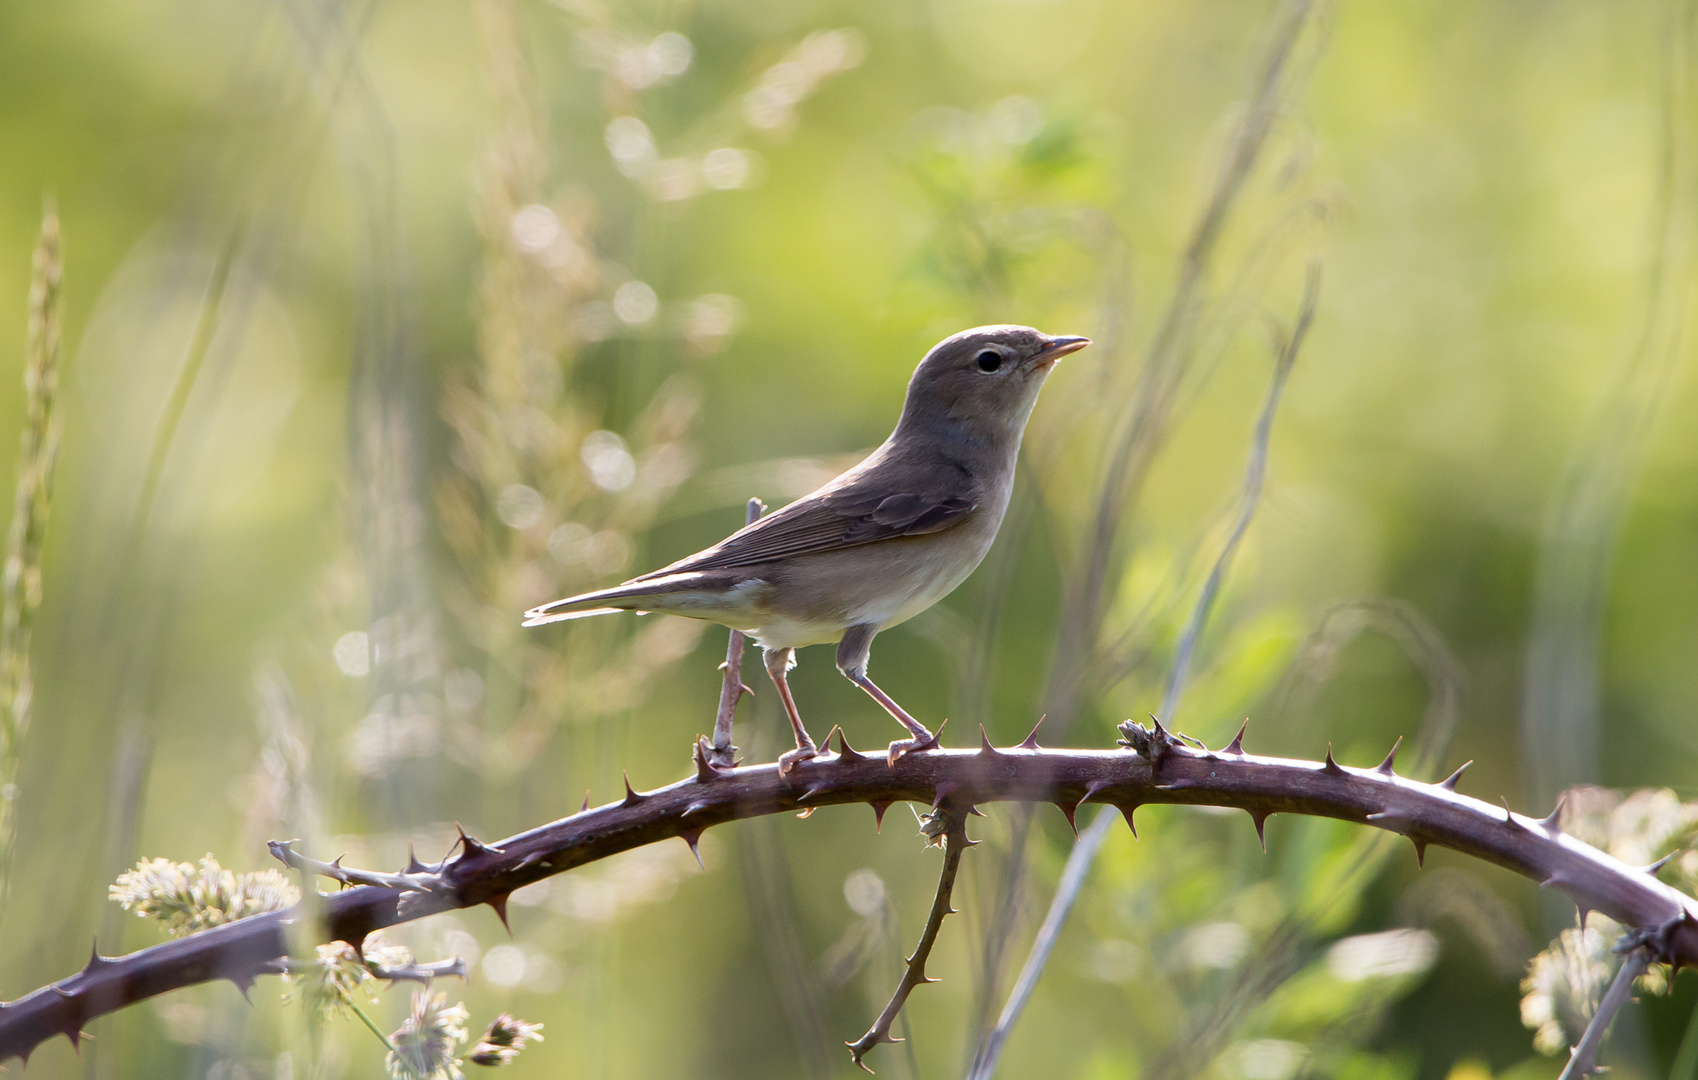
815 600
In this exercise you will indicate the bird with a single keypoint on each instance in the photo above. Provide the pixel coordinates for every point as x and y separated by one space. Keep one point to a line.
881 543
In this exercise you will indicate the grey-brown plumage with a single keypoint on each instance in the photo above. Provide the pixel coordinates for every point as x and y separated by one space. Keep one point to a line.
879 544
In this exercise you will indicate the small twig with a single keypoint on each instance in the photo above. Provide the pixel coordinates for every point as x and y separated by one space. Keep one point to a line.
1583 1059
285 853
452 968
720 753
948 823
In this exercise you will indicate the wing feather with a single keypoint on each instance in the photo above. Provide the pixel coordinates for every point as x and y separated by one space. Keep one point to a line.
829 521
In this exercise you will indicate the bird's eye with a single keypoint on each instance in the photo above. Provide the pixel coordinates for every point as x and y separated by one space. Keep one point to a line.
989 360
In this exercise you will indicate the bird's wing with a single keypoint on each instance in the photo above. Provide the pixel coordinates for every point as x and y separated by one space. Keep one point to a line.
829 521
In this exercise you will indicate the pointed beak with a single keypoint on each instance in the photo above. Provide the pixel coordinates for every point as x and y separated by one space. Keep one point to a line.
1059 347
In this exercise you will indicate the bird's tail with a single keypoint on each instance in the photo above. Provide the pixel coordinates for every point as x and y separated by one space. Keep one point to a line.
644 595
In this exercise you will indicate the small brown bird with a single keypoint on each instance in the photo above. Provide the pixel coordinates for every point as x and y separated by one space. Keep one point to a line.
879 544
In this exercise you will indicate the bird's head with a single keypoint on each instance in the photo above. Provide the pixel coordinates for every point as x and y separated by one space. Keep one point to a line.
981 384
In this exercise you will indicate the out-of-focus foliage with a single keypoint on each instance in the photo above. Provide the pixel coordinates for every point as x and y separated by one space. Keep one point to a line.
383 322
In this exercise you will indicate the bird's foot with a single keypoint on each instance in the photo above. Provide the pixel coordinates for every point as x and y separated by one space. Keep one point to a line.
791 758
901 748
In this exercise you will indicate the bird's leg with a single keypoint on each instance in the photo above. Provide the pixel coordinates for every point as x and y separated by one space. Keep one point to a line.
778 662
852 654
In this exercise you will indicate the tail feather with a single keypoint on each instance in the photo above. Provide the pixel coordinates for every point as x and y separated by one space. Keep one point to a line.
533 619
626 597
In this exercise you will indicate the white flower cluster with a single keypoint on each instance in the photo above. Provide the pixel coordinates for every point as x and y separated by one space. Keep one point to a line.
188 899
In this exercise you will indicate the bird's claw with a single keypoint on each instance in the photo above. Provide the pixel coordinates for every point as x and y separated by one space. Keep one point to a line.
791 758
901 748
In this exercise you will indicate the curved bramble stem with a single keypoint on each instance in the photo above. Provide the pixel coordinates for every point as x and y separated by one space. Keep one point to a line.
1429 814
947 823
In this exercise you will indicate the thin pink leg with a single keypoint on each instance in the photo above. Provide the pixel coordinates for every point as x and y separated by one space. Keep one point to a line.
922 740
778 663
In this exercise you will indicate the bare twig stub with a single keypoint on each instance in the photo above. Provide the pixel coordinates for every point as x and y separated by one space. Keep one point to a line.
947 824
478 873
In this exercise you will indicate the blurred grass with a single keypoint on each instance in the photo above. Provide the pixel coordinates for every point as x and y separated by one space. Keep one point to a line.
1485 177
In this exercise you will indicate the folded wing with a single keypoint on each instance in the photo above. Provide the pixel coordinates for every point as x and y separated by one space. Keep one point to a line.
829 521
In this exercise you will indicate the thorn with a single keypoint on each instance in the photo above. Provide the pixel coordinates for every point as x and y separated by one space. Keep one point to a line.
1126 811
470 846
586 805
810 791
942 792
1069 808
1331 766
1449 783
1030 742
693 837
1584 911
807 812
1261 820
414 866
76 1035
706 771
1659 864
985 747
1236 746
879 807
1094 788
1552 822
1384 768
498 904
243 981
96 961
1508 814
694 808
844 750
973 811
631 796
1420 850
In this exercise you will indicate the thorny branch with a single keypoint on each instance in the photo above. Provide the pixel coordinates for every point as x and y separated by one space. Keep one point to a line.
1163 771
947 824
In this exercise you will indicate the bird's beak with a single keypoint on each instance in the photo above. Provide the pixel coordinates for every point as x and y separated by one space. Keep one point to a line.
1059 347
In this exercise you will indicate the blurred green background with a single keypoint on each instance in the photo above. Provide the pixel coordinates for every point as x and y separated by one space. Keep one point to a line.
386 321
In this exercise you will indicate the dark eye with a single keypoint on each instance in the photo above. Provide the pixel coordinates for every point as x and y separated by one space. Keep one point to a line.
989 360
